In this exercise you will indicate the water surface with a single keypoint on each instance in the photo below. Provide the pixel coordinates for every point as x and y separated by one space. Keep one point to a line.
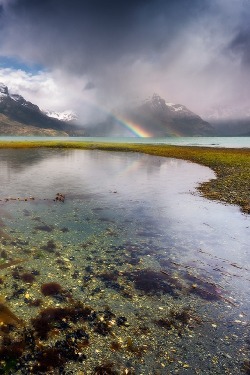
228 142
147 276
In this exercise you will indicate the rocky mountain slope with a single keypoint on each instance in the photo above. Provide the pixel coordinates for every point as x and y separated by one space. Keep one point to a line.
157 118
154 117
20 117
166 119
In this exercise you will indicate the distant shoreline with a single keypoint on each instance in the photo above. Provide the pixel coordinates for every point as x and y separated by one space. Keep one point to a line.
231 165
214 142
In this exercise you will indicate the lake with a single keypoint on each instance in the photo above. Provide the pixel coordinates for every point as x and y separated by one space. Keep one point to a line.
234 142
112 263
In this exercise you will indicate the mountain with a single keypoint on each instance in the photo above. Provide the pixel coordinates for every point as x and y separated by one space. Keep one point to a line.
233 121
67 116
157 118
154 117
21 117
232 112
166 119
232 127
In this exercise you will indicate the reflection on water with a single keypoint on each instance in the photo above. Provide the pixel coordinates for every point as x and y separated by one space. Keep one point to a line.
134 273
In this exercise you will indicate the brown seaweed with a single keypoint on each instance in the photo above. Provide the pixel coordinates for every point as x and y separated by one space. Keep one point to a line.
50 289
50 247
52 317
4 235
105 369
7 316
10 263
44 228
151 282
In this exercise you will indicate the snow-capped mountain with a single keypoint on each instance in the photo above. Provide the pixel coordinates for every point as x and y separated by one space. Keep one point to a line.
4 92
67 116
154 117
20 100
163 118
19 116
156 103
6 97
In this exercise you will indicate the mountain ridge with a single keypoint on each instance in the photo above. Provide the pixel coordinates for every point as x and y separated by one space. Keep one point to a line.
230 121
156 117
66 116
153 117
169 117
18 114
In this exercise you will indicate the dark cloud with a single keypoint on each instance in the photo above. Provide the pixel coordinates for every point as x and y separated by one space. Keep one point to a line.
82 35
240 46
185 50
89 86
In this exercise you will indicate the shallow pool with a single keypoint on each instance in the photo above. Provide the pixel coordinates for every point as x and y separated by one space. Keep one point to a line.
112 263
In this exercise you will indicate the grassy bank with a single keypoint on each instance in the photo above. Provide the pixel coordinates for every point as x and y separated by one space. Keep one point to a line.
232 166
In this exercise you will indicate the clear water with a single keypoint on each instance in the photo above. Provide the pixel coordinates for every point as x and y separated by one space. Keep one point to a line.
163 271
232 142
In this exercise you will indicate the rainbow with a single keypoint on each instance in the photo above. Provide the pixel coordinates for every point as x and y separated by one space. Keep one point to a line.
135 129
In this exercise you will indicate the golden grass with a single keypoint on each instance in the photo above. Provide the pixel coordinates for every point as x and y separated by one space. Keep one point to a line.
231 166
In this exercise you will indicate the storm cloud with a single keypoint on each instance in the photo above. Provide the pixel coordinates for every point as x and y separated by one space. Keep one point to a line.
89 33
193 52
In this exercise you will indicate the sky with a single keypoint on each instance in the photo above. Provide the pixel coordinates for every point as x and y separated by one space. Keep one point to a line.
93 56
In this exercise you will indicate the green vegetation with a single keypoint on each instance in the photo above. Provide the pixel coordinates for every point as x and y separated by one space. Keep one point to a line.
231 166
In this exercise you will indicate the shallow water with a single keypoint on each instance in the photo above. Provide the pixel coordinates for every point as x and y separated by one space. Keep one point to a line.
163 271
